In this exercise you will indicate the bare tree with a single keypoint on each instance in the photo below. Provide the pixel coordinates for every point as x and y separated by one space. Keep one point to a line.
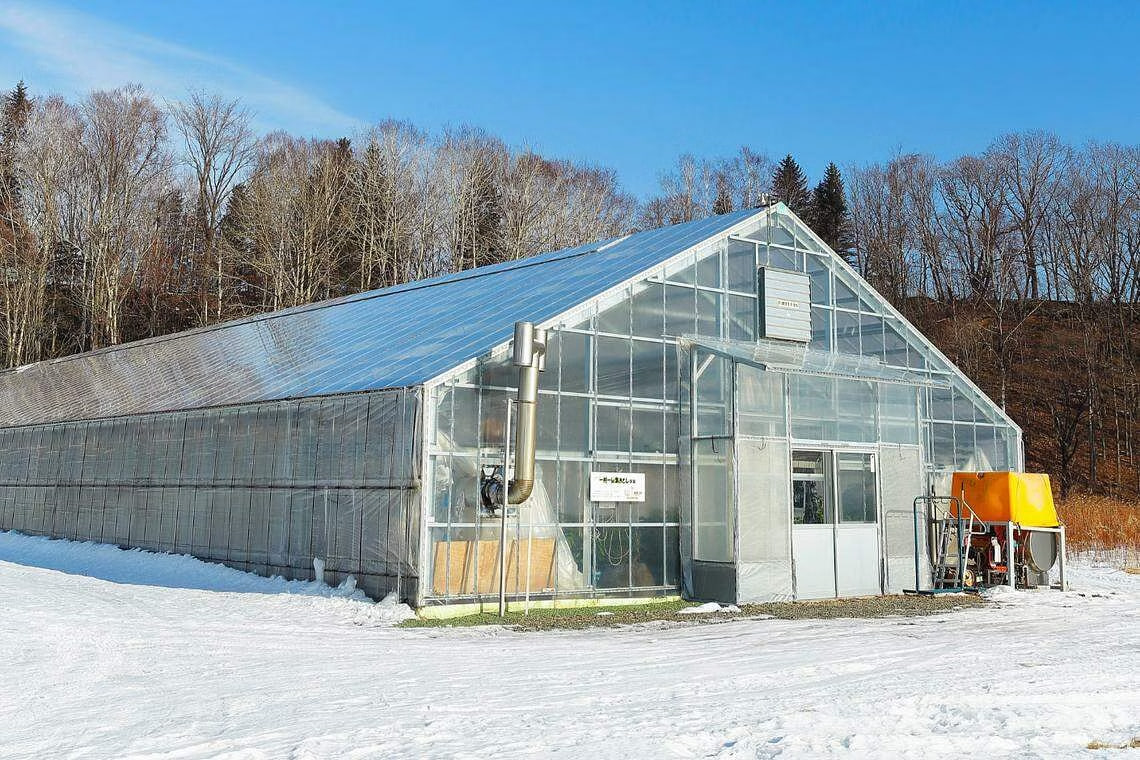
125 166
219 147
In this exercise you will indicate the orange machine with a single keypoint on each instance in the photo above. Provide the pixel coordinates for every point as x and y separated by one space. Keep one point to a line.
1002 497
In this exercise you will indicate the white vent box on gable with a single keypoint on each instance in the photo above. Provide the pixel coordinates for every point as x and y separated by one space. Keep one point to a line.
785 305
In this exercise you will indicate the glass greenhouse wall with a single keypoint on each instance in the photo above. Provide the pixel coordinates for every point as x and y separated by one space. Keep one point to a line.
356 431
614 399
262 487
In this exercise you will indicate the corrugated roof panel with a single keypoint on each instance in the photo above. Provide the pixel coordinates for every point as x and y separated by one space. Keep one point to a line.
399 336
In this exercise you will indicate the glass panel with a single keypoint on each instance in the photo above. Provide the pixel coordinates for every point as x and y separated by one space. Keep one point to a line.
898 413
574 424
708 270
613 366
780 258
649 369
856 410
611 557
653 508
820 280
760 402
647 557
548 380
713 509
648 429
844 295
820 328
857 501
498 372
681 271
894 346
811 488
575 362
740 266
712 395
680 310
573 490
615 319
708 313
648 309
963 407
742 318
846 332
813 407
871 331
613 428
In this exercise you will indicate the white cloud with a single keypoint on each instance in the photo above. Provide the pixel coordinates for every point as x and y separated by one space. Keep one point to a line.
55 49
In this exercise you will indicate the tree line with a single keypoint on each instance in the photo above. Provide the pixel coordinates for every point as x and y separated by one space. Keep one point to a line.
123 217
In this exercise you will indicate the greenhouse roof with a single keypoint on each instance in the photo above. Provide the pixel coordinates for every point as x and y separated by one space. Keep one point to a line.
396 337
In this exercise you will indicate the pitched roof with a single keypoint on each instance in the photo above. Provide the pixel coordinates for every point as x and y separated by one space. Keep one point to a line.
396 337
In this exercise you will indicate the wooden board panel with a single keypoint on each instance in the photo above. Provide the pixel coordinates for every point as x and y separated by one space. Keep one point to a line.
456 569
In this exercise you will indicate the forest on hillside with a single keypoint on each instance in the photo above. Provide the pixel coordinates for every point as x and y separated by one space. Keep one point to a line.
123 217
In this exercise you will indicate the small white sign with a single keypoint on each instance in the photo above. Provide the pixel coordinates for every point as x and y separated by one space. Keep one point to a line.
617 486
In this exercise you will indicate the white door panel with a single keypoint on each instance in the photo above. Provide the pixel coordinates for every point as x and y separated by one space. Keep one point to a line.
813 547
857 559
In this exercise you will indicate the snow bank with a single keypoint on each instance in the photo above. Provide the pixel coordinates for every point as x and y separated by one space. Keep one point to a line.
143 568
92 668
707 607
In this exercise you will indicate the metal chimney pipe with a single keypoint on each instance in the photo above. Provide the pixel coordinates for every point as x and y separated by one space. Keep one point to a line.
530 358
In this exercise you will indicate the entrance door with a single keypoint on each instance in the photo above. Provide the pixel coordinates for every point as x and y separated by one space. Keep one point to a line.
835 531
813 524
857 532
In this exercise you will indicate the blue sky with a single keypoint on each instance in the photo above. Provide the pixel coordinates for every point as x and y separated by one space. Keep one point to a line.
629 85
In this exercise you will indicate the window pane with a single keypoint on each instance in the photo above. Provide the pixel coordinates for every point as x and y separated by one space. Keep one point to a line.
615 319
712 395
820 328
708 270
871 330
813 407
613 429
898 413
856 406
811 488
857 488
846 332
708 313
575 362
740 265
820 280
573 425
680 310
648 309
760 402
613 366
713 509
649 369
742 318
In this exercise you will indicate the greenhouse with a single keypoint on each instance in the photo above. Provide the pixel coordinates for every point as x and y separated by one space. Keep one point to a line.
725 410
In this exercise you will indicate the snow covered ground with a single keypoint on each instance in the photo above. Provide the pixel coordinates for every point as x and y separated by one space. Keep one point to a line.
105 653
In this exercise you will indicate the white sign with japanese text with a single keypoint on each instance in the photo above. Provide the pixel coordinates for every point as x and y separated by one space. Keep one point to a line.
617 486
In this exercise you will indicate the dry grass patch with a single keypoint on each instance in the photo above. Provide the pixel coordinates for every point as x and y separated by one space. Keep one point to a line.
1097 744
1100 523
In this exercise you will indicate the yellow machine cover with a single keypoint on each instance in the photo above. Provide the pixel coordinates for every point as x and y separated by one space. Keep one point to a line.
1020 497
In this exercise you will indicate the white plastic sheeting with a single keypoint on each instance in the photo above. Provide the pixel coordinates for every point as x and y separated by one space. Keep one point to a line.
764 572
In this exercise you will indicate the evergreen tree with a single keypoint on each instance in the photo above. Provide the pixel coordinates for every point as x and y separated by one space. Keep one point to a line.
14 113
828 216
722 204
789 184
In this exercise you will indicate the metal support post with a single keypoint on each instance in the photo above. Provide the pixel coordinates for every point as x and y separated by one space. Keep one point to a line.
1011 555
1061 561
503 513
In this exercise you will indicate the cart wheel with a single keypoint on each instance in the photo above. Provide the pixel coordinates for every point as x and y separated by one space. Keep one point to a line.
969 580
